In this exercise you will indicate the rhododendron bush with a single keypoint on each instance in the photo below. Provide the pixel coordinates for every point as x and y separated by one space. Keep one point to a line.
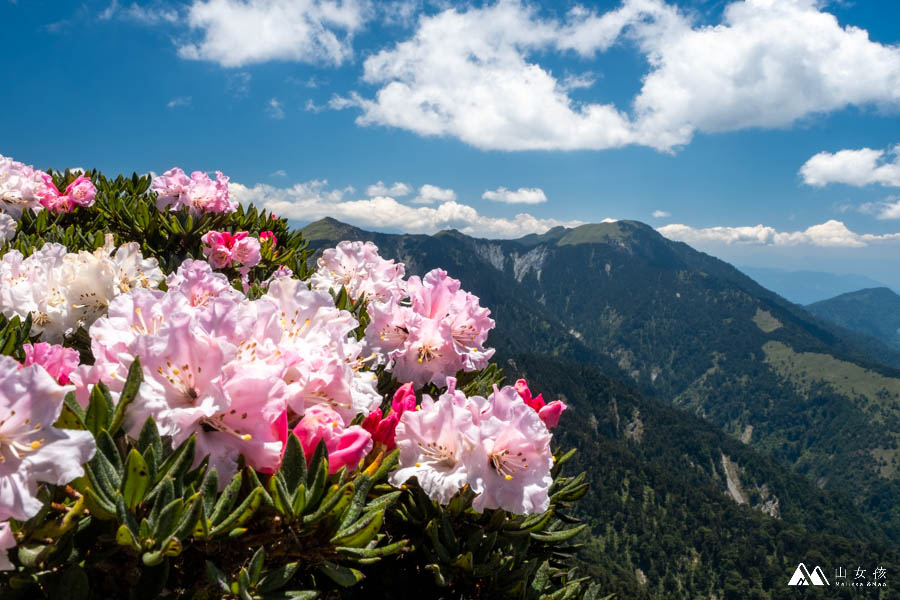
193 406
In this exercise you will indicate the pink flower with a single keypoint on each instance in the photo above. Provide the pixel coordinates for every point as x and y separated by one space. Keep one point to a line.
404 399
57 360
436 445
549 413
268 235
31 448
357 267
7 542
222 249
513 470
246 250
81 191
198 193
383 429
442 332
346 446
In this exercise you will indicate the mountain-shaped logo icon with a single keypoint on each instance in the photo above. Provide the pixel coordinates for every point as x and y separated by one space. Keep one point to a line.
802 576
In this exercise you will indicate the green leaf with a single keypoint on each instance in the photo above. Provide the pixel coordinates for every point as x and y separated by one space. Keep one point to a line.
554 537
277 578
137 479
72 415
129 391
256 565
360 533
293 465
100 409
341 575
149 438
240 515
226 500
168 517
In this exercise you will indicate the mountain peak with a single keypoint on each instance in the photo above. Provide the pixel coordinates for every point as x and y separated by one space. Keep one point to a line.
607 232
331 229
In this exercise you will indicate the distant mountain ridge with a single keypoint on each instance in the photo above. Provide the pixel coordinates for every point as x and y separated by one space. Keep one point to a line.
806 287
874 312
690 330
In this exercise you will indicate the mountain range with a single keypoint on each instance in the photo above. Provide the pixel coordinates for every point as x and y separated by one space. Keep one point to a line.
874 312
729 433
806 287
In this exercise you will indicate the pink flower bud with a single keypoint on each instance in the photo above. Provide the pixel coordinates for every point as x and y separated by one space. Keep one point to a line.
81 191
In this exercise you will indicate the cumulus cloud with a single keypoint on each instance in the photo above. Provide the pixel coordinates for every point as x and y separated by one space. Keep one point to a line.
661 214
241 32
397 190
861 167
829 234
314 200
519 196
429 194
275 108
889 208
473 73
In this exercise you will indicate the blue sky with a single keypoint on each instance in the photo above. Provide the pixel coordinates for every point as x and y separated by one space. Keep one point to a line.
761 131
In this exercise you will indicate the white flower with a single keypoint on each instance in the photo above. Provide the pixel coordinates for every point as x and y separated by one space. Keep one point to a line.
7 541
7 228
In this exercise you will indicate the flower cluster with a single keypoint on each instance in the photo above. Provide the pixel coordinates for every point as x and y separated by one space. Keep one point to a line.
498 446
223 249
440 331
24 187
63 291
225 368
200 194
361 271
31 449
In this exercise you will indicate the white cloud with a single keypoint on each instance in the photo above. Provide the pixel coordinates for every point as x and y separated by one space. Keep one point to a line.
151 14
889 208
397 190
519 196
278 173
238 84
429 194
241 32
275 108
661 214
829 234
314 200
473 73
179 102
853 167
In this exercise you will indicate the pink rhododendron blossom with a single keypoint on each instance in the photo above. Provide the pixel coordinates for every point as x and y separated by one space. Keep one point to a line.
357 267
404 399
383 428
198 193
7 543
224 249
23 187
7 228
31 449
346 445
281 271
246 251
442 332
268 236
197 282
324 364
514 471
549 413
57 360
81 191
438 445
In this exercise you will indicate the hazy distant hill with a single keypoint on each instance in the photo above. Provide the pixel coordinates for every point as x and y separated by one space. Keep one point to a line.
874 312
625 323
805 287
